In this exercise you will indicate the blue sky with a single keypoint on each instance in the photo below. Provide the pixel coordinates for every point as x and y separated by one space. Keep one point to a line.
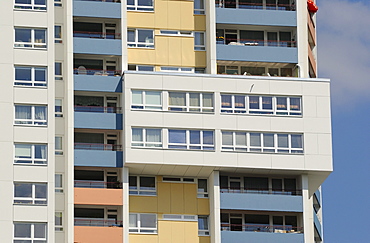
344 56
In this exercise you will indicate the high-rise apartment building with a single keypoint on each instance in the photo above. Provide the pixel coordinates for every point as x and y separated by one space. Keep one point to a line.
161 121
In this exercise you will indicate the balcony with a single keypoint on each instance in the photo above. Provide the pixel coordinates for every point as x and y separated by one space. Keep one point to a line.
288 201
87 193
98 117
258 6
100 155
97 43
97 234
97 80
97 8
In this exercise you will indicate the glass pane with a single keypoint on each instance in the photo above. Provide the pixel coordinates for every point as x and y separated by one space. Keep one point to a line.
199 38
40 74
137 134
177 99
177 136
23 73
40 190
22 230
22 35
198 4
297 141
58 68
153 135
202 185
148 220
131 35
23 190
153 98
147 183
145 36
207 100
58 180
145 2
241 138
283 141
254 102
23 150
58 31
137 97
202 222
58 218
226 101
267 103
268 140
40 151
239 101
22 112
207 137
227 138
194 137
281 103
40 230
58 143
255 139
133 220
194 99
145 68
295 104
40 36
40 112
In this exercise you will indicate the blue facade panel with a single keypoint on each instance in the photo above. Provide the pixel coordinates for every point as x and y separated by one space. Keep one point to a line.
99 158
97 46
96 9
260 237
257 53
317 224
92 120
97 83
256 17
266 202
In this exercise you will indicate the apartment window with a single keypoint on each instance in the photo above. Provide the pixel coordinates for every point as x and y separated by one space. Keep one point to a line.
176 33
203 225
202 188
58 145
140 5
200 70
260 105
288 106
233 103
142 185
30 4
177 179
190 102
234 141
30 115
199 7
146 68
177 69
58 3
199 41
30 76
34 154
58 34
148 100
59 183
58 221
58 108
30 38
30 232
191 139
179 217
30 193
140 38
146 137
143 223
58 71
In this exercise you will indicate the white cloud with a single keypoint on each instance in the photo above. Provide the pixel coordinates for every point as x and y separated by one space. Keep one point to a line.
344 49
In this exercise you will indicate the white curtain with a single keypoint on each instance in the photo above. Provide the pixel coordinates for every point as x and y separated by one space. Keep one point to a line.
227 138
240 138
137 134
177 99
195 99
22 112
40 112
153 135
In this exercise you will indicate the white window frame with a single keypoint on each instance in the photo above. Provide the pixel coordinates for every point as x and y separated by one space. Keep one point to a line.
172 179
141 67
34 161
171 69
200 47
183 33
180 217
200 10
202 194
137 44
190 146
141 8
59 151
58 39
59 227
31 6
234 146
187 107
58 113
33 121
32 82
32 238
234 109
32 44
289 111
59 189
143 230
58 77
204 232
143 192
145 143
58 3
33 198
144 105
261 110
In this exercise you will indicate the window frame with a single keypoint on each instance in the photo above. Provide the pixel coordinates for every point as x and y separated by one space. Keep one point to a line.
32 238
32 6
59 227
171 69
202 194
182 33
58 3
187 107
59 151
32 121
139 67
199 11
203 232
32 44
140 8
32 158
59 189
144 143
144 105
33 82
192 146
58 109
200 47
139 190
143 230
57 38
136 43
33 199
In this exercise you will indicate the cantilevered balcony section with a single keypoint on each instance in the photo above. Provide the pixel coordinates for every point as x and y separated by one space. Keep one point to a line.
97 112
260 193
97 8
97 149
276 45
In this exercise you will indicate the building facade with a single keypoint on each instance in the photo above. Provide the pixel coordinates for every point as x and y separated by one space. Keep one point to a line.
162 121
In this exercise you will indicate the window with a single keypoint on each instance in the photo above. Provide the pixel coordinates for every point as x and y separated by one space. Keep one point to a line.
58 108
144 223
148 100
260 105
288 106
202 188
203 228
262 142
199 41
140 38
30 76
35 154
142 185
199 7
200 70
30 232
177 69
30 193
176 32
58 34
30 38
59 183
30 4
58 71
58 146
140 5
58 221
190 102
133 67
146 137
30 115
179 217
191 139
58 3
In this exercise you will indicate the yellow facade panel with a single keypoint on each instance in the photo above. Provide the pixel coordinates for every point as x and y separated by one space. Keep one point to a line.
204 239
164 200
140 238
143 204
165 229
190 196
162 52
200 22
200 59
187 17
161 9
141 56
203 206
177 198
174 15
175 51
140 20
187 52
177 231
191 232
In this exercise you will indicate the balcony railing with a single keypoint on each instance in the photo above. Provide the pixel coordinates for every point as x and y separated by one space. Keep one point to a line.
98 146
98 109
96 35
97 184
97 222
100 72
261 191
261 6
108 1
261 228
251 42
